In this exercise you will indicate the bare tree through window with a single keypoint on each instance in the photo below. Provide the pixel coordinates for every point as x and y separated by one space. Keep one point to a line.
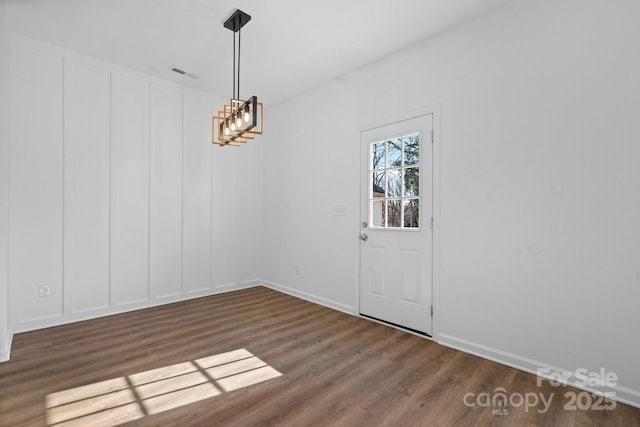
395 182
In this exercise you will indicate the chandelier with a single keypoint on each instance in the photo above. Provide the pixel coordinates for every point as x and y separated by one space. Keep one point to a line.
241 119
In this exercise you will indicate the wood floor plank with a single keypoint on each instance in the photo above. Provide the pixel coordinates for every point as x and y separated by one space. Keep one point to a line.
302 365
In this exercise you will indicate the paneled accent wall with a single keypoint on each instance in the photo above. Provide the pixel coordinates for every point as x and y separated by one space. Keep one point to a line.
129 190
86 186
5 337
36 183
165 193
225 220
111 189
196 194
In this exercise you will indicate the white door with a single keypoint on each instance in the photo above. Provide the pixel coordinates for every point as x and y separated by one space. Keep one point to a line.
396 223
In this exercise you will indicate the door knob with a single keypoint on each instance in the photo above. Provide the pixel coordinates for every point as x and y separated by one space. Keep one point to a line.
364 237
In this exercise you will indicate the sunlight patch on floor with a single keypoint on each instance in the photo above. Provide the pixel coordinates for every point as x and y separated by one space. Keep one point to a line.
121 400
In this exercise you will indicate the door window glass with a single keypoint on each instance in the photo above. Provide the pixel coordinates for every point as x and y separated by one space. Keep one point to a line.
394 190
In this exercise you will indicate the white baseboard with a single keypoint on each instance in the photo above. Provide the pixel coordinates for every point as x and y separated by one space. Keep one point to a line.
310 297
5 353
619 393
48 322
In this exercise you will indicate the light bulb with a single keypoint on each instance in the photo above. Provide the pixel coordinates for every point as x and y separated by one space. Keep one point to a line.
226 131
239 121
247 116
233 125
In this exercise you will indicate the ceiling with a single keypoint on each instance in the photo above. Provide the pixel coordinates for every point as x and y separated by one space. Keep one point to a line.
289 45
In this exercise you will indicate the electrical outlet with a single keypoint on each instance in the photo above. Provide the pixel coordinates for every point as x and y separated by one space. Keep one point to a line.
44 290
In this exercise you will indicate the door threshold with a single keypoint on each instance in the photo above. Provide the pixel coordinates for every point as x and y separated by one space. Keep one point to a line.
395 325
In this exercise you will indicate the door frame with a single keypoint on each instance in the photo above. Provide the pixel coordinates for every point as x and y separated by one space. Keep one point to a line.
435 253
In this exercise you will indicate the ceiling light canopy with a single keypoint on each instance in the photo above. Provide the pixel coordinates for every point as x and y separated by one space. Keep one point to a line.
240 120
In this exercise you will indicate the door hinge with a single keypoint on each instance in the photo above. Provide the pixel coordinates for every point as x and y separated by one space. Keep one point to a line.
432 136
431 311
431 223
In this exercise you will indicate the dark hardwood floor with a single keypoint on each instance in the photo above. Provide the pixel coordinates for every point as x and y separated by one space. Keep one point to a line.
302 365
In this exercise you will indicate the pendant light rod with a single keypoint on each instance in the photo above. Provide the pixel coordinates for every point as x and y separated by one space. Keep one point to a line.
235 22
234 65
239 44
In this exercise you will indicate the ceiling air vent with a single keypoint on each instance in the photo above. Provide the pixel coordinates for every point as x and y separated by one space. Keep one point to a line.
178 70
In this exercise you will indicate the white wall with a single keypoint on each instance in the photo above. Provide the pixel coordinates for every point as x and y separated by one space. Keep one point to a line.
539 190
5 336
117 192
310 171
